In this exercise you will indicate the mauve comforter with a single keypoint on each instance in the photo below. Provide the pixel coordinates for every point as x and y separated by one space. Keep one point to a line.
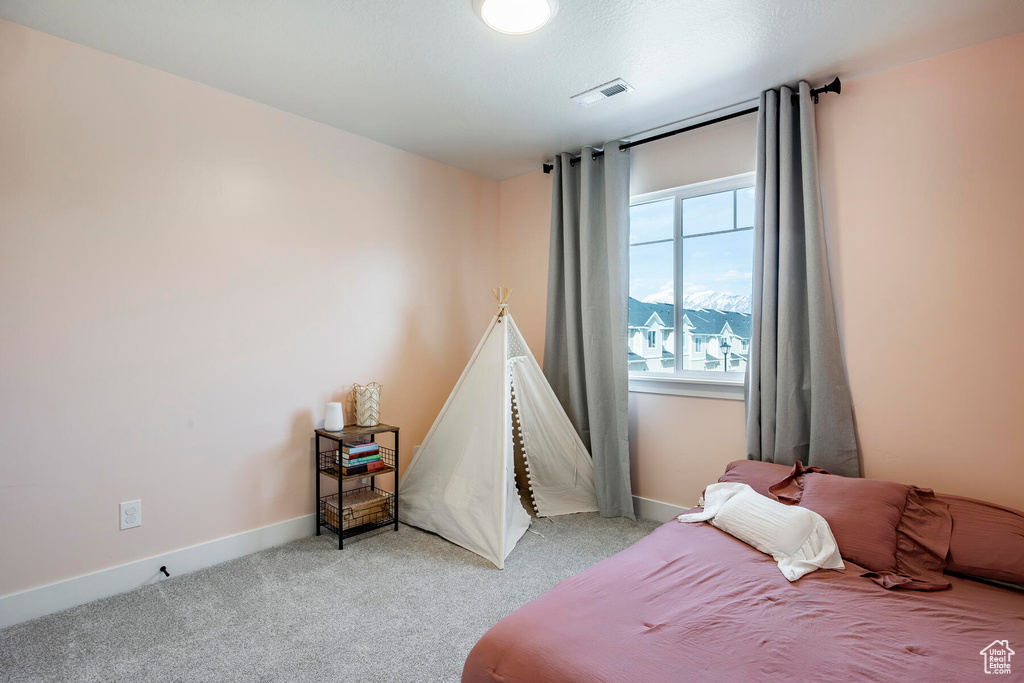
691 603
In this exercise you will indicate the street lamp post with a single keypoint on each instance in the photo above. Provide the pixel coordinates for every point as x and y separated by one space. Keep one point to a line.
725 346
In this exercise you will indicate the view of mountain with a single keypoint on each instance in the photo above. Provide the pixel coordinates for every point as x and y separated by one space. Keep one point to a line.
716 301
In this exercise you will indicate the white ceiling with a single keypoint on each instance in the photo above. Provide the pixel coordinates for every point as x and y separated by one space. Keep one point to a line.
429 77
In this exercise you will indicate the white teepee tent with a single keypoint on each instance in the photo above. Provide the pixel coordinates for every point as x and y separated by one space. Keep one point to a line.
461 482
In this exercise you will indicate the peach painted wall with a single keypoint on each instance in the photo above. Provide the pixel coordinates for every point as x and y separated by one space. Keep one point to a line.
921 175
525 204
186 278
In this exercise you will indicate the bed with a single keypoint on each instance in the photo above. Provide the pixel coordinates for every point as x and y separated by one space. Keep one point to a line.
691 603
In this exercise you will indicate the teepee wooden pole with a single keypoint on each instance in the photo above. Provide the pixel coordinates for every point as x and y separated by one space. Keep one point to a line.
501 295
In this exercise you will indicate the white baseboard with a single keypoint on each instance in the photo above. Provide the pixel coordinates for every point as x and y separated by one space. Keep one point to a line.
655 509
36 602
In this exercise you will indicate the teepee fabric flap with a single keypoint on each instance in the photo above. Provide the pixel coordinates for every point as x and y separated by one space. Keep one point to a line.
561 471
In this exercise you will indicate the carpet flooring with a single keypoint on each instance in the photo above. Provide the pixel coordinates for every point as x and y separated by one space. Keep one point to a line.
394 606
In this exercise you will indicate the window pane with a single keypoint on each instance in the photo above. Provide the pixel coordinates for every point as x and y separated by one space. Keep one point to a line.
709 213
651 222
716 301
745 208
651 311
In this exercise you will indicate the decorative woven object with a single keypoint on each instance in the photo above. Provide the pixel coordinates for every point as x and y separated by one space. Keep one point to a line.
366 400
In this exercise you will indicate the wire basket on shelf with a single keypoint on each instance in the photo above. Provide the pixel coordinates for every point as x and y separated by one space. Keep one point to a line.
329 464
362 507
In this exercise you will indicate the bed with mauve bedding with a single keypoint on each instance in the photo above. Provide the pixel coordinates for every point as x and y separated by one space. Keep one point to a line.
691 603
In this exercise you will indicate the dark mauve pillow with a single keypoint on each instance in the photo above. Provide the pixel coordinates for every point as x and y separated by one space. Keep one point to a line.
758 474
987 540
862 513
899 533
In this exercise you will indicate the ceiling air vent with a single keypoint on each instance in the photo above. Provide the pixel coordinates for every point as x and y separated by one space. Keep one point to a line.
602 92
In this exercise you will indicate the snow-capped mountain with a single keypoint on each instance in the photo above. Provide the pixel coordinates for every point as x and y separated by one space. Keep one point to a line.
716 301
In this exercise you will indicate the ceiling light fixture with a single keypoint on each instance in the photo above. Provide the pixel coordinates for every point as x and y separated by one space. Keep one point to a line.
515 16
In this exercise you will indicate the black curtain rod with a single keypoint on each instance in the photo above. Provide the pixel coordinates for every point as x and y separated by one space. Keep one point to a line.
835 86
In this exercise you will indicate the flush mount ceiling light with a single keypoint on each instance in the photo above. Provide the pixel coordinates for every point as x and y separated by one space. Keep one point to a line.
515 16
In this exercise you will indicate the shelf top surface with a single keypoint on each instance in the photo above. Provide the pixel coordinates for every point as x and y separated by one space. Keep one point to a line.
353 431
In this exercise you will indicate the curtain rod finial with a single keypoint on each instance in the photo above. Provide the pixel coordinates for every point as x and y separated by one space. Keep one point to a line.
548 168
835 86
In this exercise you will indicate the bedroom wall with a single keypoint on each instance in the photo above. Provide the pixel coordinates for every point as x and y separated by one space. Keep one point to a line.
525 203
186 278
921 178
921 170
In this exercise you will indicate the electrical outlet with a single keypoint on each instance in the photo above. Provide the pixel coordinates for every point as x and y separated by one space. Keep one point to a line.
131 514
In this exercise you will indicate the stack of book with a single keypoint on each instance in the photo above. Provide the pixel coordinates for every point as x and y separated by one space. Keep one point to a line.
360 458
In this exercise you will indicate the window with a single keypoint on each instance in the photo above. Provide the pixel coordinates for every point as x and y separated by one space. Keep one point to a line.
691 255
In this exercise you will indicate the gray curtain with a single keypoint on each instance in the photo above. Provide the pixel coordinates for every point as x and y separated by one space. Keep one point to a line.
585 346
798 400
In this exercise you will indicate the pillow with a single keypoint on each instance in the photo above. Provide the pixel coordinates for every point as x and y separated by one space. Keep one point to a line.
899 533
987 540
862 513
757 474
798 539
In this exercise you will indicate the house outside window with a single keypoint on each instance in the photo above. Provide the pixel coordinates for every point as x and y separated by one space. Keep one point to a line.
691 261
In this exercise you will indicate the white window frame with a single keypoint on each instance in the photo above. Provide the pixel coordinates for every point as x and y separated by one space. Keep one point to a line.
700 383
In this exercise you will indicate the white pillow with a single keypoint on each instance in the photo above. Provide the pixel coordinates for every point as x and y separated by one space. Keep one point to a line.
798 539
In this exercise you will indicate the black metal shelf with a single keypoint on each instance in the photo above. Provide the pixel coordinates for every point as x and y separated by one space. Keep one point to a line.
326 465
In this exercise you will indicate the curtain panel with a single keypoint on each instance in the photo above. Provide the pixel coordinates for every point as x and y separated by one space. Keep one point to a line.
585 344
797 396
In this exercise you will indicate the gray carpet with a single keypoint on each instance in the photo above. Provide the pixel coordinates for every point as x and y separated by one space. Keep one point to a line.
405 606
